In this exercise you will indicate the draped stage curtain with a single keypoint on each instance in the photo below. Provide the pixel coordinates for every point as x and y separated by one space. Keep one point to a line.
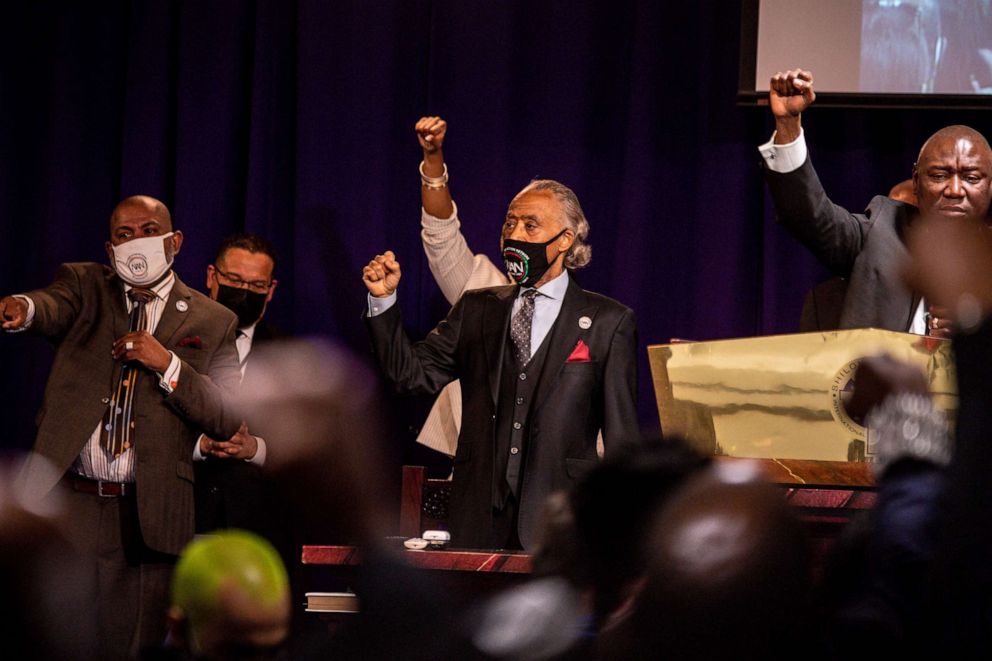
293 119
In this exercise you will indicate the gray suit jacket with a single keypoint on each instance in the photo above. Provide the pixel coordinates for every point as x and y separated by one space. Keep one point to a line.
867 248
83 312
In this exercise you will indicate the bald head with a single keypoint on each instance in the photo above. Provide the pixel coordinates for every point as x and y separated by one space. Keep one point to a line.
951 175
232 589
142 205
728 572
952 134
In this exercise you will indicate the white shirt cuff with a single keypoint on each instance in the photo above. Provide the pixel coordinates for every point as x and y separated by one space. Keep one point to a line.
197 455
379 305
259 458
169 379
784 158
28 318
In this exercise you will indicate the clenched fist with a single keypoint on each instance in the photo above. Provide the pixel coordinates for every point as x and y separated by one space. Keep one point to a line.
382 275
13 312
142 347
790 92
430 133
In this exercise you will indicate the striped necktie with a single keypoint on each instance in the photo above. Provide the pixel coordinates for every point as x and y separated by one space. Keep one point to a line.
117 429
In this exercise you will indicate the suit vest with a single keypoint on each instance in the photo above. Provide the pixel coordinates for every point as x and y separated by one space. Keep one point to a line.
516 394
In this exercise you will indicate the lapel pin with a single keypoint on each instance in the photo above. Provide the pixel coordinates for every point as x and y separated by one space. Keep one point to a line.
182 306
585 323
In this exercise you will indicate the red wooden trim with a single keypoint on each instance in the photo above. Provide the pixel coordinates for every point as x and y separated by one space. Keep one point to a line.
496 562
411 499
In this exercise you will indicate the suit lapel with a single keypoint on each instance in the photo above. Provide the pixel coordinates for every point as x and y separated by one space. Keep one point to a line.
905 216
172 319
563 337
117 308
495 322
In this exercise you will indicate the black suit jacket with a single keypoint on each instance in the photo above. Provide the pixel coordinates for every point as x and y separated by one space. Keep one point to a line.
867 248
573 400
231 493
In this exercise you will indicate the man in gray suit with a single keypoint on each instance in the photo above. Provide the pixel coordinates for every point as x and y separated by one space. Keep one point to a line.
142 366
950 179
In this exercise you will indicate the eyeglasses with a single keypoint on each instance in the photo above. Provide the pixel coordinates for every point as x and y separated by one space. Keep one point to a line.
259 286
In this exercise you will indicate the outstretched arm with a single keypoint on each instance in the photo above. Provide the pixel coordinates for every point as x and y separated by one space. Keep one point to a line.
48 312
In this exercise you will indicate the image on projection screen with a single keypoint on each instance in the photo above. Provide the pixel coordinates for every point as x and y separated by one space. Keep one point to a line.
879 46
926 46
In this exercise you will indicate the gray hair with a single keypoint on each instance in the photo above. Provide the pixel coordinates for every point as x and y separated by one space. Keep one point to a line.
572 218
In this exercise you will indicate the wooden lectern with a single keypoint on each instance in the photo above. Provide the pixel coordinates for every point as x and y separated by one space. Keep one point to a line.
781 399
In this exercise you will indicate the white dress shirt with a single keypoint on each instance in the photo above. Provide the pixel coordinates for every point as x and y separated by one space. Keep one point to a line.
547 305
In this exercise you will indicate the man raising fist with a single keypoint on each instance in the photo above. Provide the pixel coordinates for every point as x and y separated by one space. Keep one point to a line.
543 364
951 180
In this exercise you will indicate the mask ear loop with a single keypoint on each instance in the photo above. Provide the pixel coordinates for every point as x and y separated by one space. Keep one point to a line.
563 252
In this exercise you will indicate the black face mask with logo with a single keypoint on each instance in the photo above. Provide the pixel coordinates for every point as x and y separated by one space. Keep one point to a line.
526 262
247 304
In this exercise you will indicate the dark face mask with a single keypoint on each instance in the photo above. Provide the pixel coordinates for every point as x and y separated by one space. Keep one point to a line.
248 305
527 262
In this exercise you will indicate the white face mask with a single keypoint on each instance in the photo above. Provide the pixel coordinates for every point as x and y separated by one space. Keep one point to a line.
141 262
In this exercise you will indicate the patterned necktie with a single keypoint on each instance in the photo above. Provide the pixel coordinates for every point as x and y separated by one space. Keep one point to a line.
117 429
520 326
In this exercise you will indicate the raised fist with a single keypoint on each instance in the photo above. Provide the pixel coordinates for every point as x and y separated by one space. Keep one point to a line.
382 275
430 133
790 93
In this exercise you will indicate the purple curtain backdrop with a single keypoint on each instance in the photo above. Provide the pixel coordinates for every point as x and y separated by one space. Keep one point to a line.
294 119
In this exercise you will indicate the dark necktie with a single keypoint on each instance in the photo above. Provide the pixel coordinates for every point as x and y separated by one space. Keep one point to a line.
117 429
520 326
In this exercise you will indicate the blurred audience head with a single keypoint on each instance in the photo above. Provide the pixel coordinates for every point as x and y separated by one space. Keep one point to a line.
556 552
315 405
230 597
46 593
951 265
613 507
729 574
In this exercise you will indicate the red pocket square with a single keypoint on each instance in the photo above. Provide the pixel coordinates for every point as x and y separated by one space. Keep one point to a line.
580 354
194 342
